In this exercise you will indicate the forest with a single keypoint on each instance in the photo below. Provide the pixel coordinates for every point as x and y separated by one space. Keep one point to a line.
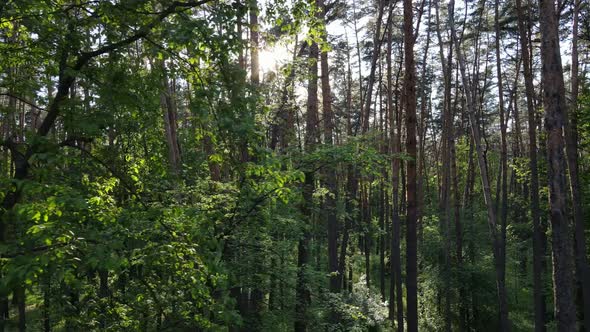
294 165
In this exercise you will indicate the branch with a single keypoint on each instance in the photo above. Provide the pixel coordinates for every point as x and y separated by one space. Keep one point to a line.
233 224
142 32
30 103
10 145
67 78
43 248
71 142
561 7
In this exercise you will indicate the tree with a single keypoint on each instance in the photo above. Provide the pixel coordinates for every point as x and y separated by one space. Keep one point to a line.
311 138
501 259
485 179
555 117
330 176
571 138
411 217
538 229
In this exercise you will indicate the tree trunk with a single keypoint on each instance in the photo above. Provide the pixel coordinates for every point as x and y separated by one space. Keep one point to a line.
376 52
445 189
555 119
538 229
424 100
170 124
501 261
351 184
366 219
47 303
330 203
411 216
475 131
254 43
571 136
303 295
20 297
395 290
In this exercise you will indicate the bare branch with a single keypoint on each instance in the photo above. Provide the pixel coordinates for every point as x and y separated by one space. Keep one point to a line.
23 100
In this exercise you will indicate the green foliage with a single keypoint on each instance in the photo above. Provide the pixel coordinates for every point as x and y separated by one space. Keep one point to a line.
105 230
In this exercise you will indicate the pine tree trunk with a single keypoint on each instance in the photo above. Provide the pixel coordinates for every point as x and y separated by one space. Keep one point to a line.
422 125
555 119
411 215
254 42
303 295
445 189
485 179
376 52
330 203
396 292
571 136
538 229
501 260
351 184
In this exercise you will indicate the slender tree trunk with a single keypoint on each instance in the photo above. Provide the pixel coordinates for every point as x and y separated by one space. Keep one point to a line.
396 270
424 99
458 236
411 216
47 303
445 189
257 296
485 179
501 261
381 193
170 124
7 125
239 27
272 294
330 204
538 229
396 292
254 42
103 293
20 297
358 55
571 136
351 183
382 237
399 201
555 119
368 234
376 52
303 295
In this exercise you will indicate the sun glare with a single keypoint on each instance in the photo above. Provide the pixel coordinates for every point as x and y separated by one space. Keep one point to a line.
272 58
